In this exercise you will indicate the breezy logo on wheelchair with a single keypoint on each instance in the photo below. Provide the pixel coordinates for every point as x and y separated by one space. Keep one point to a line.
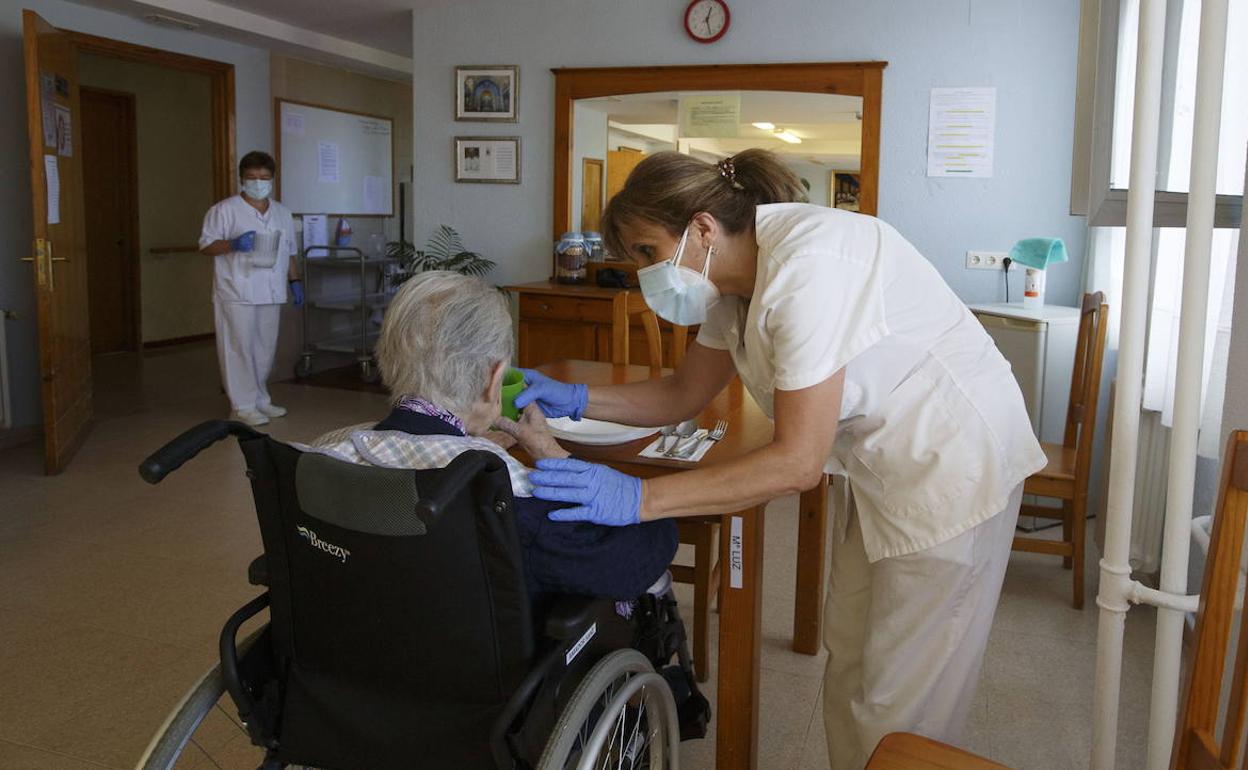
316 542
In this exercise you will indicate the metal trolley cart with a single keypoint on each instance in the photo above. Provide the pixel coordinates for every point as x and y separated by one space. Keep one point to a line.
368 297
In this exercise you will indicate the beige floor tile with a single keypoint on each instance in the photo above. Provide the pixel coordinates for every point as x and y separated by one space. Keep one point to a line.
17 757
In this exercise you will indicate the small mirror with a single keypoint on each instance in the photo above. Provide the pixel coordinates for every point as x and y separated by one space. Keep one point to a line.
819 135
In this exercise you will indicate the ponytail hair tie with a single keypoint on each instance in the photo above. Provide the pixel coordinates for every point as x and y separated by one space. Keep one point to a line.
729 171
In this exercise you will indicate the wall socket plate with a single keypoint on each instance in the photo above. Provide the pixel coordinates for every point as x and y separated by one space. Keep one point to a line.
985 260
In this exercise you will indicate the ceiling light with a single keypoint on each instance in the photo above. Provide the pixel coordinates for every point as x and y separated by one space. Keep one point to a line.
765 126
787 136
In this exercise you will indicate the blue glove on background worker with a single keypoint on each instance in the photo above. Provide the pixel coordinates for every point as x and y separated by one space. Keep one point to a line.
296 292
554 398
604 495
244 242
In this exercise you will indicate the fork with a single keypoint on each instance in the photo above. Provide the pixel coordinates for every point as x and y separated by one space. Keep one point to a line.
715 434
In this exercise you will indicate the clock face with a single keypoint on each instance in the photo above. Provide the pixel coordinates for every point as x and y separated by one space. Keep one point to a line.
706 20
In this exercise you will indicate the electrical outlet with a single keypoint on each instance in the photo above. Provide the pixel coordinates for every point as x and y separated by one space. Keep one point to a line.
985 260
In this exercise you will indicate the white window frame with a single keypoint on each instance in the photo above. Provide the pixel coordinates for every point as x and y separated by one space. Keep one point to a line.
1091 194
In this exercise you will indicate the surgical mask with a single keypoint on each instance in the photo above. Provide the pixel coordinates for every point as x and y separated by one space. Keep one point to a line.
259 189
676 293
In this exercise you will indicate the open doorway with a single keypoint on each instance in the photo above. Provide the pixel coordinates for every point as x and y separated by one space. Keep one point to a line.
157 150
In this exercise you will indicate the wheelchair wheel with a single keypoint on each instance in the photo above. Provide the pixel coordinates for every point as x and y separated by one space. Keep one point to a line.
203 730
622 715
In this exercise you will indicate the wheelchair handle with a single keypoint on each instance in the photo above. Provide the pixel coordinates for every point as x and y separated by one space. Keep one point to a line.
171 456
459 474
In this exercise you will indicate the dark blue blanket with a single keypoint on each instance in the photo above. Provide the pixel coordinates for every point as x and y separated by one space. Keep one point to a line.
571 557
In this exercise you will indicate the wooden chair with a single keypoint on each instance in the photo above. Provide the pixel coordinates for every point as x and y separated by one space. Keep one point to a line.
1196 744
701 533
1069 465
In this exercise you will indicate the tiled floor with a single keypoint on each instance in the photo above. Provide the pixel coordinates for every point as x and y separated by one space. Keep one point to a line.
112 593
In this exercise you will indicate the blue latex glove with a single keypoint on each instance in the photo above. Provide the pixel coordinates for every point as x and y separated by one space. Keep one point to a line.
554 398
605 495
244 242
296 292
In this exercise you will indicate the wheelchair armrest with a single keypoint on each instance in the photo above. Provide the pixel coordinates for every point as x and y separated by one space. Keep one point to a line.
258 572
569 616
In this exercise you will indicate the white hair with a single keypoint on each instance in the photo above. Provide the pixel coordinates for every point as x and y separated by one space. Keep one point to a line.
442 335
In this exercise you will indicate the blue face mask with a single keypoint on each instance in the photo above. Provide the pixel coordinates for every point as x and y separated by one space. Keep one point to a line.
258 189
676 293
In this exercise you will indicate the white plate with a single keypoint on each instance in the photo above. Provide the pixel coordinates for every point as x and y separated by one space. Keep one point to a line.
596 431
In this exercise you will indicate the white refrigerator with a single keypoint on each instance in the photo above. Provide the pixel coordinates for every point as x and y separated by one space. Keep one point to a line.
1039 343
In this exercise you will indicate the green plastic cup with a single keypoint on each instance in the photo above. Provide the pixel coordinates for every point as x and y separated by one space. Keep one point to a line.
513 383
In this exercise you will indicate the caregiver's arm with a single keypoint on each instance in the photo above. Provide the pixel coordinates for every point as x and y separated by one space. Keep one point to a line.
702 374
793 462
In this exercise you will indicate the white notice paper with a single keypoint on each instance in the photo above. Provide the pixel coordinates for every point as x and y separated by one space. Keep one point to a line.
292 123
52 177
327 162
504 160
961 130
316 233
47 95
374 194
716 115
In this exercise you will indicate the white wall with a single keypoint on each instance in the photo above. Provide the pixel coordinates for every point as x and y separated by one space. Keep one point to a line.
253 112
1026 48
589 140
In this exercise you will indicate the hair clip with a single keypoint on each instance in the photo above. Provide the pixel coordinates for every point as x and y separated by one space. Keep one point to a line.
728 171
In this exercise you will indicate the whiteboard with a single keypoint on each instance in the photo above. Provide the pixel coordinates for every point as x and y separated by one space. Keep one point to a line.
334 161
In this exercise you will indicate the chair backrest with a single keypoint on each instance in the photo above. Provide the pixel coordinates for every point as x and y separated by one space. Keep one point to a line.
1085 382
401 629
1202 743
629 304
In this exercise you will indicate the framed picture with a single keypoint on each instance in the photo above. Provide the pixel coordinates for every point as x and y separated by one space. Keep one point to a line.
487 93
845 186
492 159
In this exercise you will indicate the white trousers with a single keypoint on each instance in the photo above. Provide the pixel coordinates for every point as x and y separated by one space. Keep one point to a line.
246 346
906 635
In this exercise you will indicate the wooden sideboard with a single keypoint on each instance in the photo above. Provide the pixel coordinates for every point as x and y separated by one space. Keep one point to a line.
560 321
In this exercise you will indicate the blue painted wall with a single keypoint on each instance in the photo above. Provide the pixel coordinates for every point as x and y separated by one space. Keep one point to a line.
1026 48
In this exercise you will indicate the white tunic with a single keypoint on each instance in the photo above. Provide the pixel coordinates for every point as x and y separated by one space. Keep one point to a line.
933 433
236 278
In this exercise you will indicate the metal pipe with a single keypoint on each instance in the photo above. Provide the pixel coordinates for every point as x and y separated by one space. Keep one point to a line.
1115 565
1142 594
1177 538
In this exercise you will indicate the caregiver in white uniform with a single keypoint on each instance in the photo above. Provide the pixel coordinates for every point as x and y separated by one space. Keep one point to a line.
871 368
251 238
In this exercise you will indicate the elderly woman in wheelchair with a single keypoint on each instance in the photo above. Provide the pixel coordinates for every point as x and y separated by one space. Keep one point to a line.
424 609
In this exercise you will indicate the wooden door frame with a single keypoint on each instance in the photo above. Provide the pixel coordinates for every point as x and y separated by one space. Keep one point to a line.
221 79
863 79
134 331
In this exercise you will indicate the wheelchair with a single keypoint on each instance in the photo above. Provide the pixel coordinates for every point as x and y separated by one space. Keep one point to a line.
400 634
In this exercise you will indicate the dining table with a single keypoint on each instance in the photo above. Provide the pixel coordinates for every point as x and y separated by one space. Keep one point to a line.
741 550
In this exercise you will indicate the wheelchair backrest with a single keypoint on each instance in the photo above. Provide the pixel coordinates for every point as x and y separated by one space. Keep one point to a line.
399 627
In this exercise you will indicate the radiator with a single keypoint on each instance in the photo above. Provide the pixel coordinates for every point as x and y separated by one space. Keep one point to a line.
1151 480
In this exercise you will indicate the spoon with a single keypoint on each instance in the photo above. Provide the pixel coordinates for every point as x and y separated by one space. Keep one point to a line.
665 433
683 431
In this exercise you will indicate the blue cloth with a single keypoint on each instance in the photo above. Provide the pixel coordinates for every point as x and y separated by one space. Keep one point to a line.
1039 253
571 557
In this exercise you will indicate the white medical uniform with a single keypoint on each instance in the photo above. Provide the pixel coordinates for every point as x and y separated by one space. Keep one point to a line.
247 298
933 439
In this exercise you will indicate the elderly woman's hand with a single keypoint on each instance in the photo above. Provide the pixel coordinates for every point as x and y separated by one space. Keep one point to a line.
532 434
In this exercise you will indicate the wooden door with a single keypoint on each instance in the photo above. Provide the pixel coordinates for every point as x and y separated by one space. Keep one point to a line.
620 163
110 172
58 248
591 194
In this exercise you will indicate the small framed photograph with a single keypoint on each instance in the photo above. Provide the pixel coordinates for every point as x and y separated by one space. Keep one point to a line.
492 159
845 186
487 93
